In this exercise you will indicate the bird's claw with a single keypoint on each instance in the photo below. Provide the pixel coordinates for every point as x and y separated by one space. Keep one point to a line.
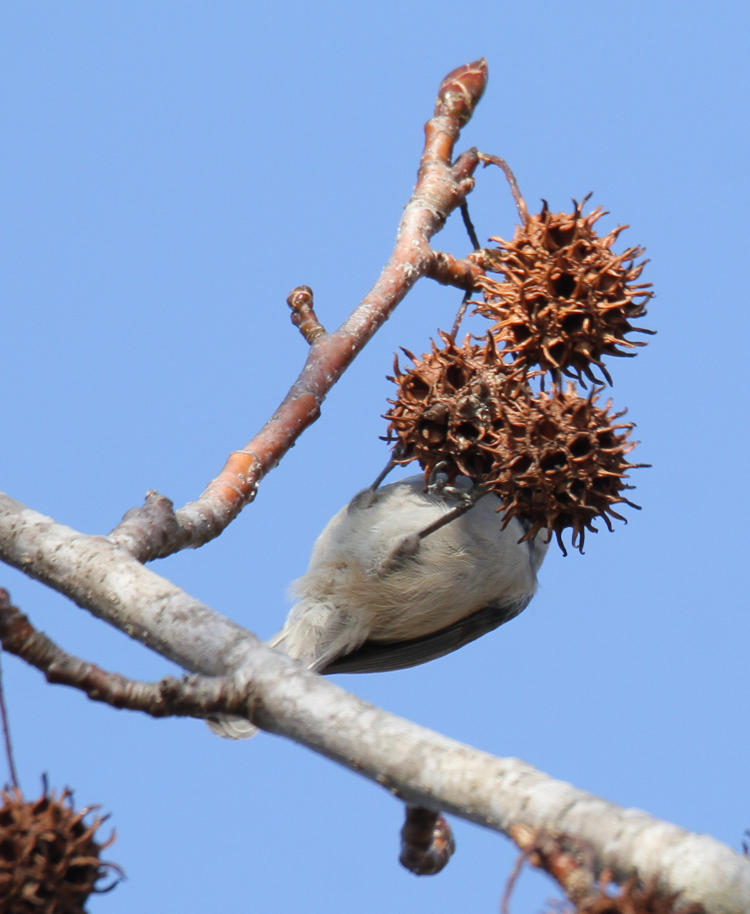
437 484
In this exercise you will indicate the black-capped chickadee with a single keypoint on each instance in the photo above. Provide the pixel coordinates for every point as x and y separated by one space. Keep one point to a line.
381 595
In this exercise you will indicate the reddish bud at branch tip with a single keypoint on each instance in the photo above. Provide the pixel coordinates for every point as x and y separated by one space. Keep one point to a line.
461 90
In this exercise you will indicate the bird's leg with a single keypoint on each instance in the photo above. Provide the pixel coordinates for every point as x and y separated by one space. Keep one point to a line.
396 455
408 546
383 473
437 484
368 496
468 500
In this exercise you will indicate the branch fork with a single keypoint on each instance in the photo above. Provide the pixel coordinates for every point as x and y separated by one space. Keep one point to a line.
442 186
239 675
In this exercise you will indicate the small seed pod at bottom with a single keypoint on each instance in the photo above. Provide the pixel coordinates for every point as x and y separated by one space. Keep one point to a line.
560 461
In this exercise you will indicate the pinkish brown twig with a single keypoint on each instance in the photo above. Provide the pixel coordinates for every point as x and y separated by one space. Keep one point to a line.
426 841
442 185
512 880
487 159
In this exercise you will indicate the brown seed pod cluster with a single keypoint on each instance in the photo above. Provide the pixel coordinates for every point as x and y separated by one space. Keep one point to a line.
564 302
49 859
556 460
560 462
448 406
565 299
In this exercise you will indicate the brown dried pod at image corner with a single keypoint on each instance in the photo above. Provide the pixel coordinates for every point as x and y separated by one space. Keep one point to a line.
49 859
560 461
447 406
566 300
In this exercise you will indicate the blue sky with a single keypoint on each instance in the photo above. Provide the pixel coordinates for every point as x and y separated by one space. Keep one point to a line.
171 172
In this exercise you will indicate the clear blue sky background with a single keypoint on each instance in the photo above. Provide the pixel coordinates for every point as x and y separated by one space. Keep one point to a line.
170 172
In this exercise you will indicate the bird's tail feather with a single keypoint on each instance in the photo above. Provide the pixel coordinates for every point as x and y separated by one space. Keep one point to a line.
315 634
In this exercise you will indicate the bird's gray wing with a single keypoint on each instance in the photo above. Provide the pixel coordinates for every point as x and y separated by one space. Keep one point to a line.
382 656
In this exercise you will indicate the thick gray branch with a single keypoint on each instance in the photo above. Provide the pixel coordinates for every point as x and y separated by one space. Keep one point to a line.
416 764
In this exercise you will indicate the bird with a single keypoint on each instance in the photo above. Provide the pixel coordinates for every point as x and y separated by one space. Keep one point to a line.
403 574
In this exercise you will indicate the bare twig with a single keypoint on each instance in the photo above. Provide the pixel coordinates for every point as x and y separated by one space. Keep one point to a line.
469 226
441 187
192 696
18 636
460 314
4 602
512 880
471 232
518 199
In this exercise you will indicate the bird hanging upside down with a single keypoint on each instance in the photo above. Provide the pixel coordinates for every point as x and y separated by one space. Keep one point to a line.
400 576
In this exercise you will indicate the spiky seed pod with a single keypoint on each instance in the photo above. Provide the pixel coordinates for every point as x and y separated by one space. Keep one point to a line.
566 299
49 859
559 461
447 407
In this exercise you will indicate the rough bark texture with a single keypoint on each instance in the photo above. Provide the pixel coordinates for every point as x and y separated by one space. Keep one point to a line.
239 675
424 768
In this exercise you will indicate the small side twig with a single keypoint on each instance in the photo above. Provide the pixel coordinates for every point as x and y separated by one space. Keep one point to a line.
5 602
512 880
427 842
471 232
450 271
487 159
191 696
469 226
300 300
460 314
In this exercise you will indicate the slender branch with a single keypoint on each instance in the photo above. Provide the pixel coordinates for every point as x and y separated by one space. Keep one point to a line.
469 226
487 159
441 187
511 883
300 300
193 696
460 314
423 768
6 725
